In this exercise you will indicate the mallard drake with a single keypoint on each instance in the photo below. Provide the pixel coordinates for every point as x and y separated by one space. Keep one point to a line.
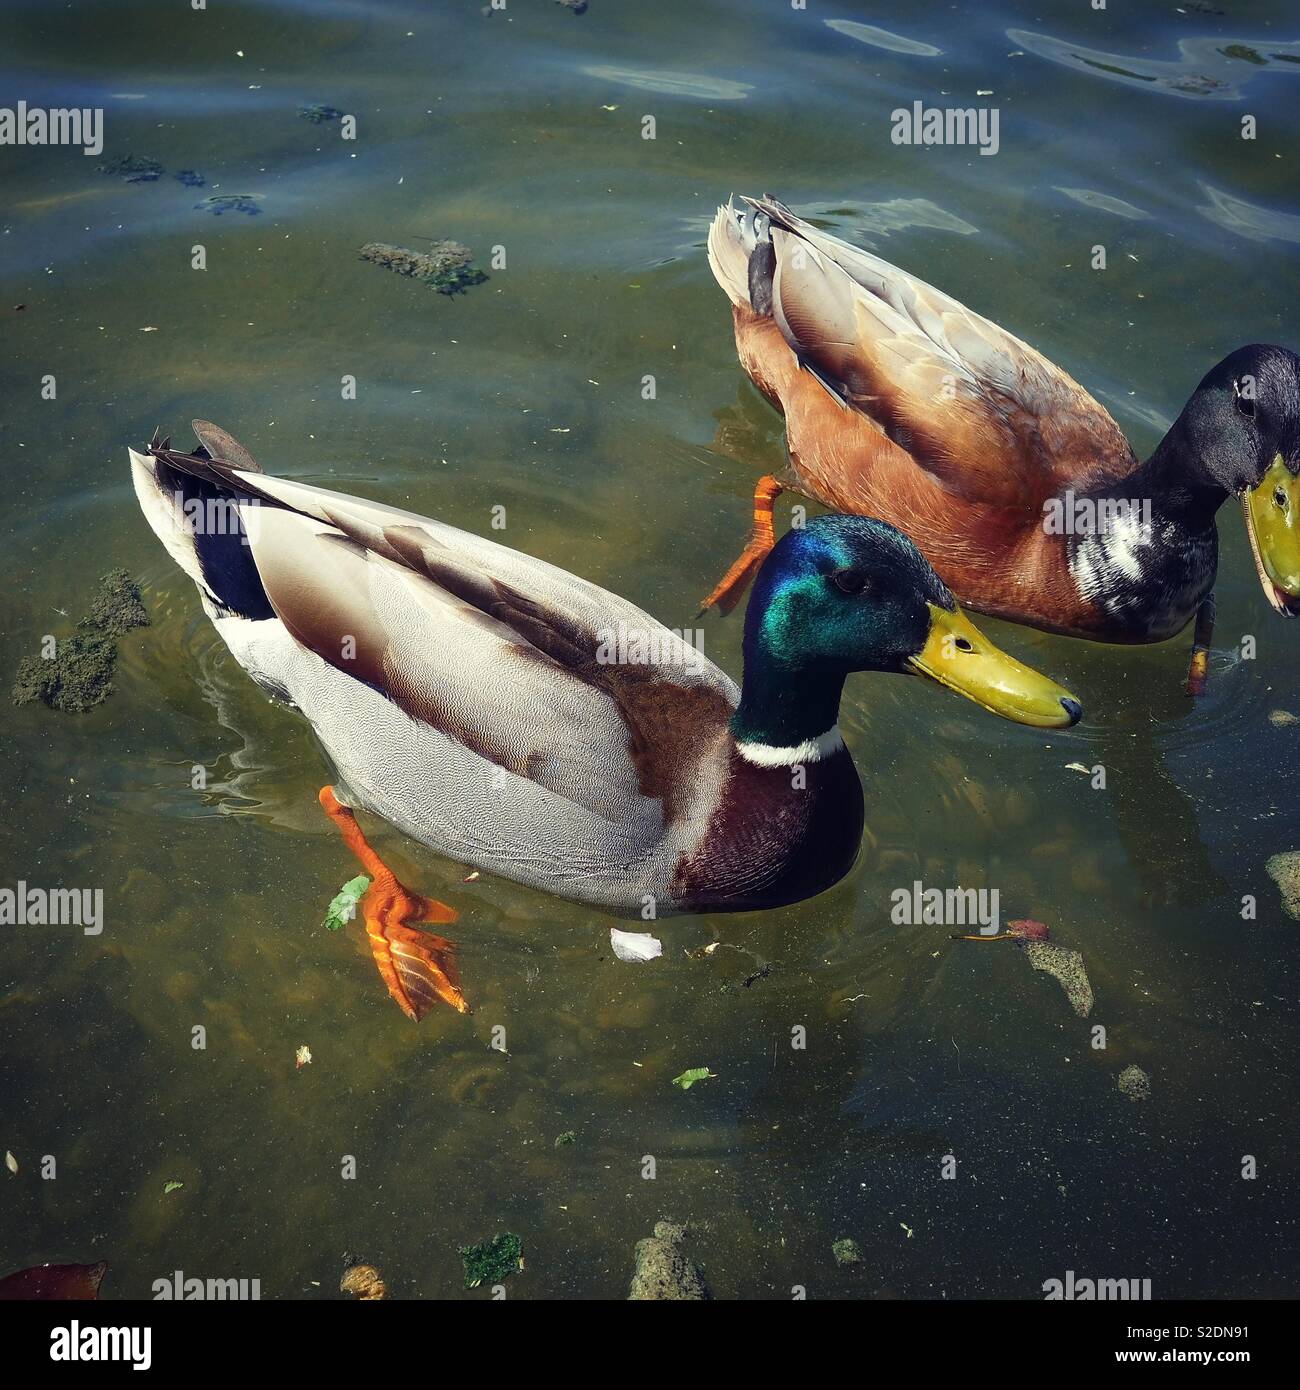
1015 483
512 716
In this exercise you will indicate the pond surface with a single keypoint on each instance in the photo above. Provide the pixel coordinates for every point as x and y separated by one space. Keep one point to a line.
522 130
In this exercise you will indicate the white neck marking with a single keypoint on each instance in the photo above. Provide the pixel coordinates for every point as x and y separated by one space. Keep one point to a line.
811 750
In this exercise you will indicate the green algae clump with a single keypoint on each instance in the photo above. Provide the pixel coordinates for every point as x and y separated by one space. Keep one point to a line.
447 265
1065 966
664 1272
846 1251
133 168
1284 870
79 674
491 1261
1134 1083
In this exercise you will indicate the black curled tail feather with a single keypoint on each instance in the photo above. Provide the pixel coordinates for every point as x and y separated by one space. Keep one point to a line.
201 502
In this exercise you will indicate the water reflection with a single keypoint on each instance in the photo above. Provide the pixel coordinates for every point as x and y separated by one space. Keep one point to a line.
1210 69
1247 219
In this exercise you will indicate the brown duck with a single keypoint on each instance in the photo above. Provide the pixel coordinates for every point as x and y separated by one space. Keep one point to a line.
1013 481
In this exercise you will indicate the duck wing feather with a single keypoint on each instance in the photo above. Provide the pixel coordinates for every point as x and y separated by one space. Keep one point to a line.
981 411
511 657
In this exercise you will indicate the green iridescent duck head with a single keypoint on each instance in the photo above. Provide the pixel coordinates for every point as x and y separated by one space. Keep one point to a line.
848 593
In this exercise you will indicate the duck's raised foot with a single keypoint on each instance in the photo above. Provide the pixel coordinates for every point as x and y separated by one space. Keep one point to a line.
727 593
418 967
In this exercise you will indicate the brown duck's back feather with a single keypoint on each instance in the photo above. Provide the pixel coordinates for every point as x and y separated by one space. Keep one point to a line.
994 556
975 407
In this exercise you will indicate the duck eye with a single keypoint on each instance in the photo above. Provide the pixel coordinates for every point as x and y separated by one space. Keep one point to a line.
1243 397
849 582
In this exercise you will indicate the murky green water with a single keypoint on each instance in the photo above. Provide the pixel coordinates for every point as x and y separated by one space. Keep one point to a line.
523 130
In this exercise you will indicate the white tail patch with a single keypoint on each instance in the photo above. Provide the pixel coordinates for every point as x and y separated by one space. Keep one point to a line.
729 255
160 511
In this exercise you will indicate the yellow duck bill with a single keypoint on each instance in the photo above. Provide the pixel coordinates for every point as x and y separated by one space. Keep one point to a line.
957 654
1272 510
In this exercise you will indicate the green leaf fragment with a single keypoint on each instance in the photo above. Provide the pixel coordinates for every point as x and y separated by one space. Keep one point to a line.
688 1078
344 907
172 1186
490 1261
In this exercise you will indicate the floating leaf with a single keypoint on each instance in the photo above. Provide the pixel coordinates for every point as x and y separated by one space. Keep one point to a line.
490 1261
363 1282
302 1057
1076 767
11 1162
1028 930
688 1078
343 908
172 1186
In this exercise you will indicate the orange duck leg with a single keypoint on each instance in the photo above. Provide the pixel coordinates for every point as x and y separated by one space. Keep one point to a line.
732 585
418 967
1199 671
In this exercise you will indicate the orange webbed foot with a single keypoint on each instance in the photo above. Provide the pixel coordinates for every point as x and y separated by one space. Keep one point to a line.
418 967
1198 673
729 589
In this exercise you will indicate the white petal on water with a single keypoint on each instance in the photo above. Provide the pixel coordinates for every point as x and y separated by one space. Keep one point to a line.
633 945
